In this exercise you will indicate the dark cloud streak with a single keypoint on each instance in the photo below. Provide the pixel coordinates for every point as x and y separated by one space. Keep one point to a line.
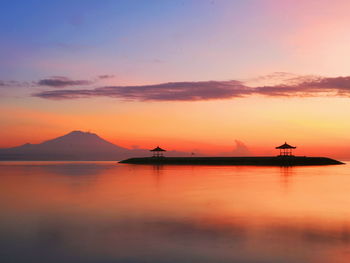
106 76
15 84
339 86
208 90
59 82
173 91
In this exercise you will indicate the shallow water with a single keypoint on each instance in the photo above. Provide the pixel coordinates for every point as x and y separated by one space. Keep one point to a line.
107 212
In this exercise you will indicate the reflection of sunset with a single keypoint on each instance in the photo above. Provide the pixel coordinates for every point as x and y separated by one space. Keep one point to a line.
220 192
269 208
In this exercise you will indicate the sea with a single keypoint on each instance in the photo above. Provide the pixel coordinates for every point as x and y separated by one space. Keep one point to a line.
104 212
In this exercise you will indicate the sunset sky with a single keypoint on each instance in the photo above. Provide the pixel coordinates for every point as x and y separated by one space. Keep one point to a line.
210 76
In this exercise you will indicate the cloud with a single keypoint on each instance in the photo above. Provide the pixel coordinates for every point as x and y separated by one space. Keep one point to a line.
239 150
106 76
304 86
271 79
172 91
59 82
15 84
338 86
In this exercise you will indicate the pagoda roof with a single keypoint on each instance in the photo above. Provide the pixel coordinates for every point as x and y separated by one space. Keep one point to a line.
158 149
286 146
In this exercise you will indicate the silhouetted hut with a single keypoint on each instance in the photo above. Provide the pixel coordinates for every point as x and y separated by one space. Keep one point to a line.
286 149
158 152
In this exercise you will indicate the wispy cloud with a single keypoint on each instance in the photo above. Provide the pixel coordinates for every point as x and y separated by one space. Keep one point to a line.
208 90
318 86
54 82
172 91
15 84
279 84
105 76
59 82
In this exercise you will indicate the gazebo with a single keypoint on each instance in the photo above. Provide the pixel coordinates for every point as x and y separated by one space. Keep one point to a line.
158 152
286 149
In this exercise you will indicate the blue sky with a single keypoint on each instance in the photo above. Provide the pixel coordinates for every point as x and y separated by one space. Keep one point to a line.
175 39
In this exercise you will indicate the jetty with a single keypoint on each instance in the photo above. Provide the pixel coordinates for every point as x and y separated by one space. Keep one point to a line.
285 158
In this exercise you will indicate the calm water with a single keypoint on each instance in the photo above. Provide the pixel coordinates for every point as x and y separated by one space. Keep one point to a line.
105 212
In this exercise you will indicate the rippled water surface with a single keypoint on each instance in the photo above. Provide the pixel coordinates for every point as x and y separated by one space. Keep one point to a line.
103 212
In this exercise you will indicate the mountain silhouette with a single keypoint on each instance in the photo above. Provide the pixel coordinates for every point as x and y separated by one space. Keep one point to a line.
74 146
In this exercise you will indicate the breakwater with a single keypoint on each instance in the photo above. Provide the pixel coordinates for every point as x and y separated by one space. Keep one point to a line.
259 161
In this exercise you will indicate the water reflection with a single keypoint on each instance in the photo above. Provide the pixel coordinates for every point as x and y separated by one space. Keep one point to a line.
158 173
286 177
104 212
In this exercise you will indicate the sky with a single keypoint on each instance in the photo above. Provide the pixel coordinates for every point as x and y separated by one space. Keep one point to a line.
210 76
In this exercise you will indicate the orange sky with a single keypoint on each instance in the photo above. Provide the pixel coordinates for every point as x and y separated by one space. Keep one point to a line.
315 125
